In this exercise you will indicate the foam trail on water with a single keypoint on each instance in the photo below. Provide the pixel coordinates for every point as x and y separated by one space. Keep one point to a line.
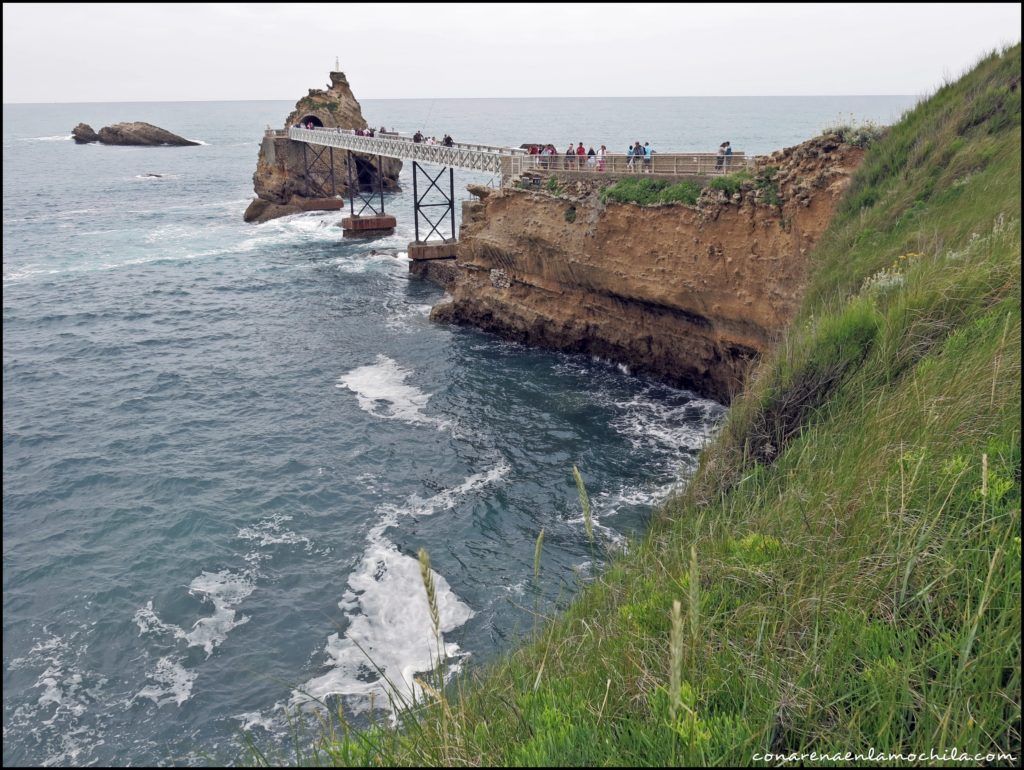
381 390
225 590
173 683
389 617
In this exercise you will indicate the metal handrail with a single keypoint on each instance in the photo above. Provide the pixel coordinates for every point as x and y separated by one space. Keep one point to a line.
675 163
474 157
513 161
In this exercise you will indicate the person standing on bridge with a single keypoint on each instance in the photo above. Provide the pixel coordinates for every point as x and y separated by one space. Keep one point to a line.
581 153
629 158
448 141
648 153
728 154
720 159
570 154
591 158
417 137
600 157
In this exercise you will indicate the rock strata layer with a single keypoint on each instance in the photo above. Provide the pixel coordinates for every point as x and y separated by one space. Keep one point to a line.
690 294
282 177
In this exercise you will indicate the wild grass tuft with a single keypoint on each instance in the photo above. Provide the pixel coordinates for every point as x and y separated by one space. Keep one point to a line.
581 489
428 584
536 553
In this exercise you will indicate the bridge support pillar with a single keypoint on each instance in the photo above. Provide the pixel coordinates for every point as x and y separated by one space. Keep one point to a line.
433 210
376 223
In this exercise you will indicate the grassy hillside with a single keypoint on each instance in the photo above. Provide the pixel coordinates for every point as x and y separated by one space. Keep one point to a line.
847 560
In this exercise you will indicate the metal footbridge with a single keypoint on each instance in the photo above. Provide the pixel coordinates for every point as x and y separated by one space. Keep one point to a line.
434 196
472 157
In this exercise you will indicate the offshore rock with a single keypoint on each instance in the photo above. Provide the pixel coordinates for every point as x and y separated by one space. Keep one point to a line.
281 177
141 135
83 134
690 294
262 211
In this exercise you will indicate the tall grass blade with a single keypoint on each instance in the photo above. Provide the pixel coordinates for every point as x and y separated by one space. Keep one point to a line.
581 488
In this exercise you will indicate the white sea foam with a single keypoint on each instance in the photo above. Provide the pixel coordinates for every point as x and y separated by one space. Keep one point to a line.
67 691
251 719
650 424
406 317
270 532
225 590
172 683
56 138
388 615
381 390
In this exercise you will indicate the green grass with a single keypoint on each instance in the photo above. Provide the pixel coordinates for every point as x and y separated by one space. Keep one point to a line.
647 192
847 560
730 183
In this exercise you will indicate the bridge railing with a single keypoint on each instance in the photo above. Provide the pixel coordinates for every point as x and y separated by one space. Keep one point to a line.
409 138
674 164
475 157
511 162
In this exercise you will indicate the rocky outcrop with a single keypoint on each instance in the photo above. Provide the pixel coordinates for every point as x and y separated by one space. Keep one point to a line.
83 134
140 134
688 293
281 177
263 211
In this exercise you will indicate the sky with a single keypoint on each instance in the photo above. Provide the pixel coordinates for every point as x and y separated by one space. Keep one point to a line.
97 52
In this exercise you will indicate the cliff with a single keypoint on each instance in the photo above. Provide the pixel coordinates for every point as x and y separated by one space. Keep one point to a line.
688 293
281 182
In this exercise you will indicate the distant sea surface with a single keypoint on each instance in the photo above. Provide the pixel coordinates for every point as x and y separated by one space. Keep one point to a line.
224 444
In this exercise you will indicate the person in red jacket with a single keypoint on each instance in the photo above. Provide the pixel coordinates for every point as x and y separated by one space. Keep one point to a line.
581 157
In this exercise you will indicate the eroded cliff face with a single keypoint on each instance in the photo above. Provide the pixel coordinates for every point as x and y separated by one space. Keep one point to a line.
281 182
688 293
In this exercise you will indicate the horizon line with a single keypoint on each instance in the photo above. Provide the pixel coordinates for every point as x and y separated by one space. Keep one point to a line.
474 98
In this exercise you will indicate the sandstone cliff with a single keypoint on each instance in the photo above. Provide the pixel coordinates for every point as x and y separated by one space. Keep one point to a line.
688 293
281 183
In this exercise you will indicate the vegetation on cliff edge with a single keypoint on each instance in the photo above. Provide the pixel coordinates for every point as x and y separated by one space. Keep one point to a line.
847 560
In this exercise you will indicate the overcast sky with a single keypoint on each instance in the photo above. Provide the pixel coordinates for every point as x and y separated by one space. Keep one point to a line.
160 52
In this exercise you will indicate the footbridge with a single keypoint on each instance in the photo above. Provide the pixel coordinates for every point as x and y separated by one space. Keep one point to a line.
434 196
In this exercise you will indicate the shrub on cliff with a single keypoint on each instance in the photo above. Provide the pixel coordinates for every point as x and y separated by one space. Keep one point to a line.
646 192
730 183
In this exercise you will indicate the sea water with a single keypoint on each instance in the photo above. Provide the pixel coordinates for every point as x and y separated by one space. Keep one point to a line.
224 444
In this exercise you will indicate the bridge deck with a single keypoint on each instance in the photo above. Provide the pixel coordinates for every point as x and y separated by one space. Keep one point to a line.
511 162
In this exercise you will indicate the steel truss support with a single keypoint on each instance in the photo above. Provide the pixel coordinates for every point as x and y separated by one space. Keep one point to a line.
376 209
446 204
319 162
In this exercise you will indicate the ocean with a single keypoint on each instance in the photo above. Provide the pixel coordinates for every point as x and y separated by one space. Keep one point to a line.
224 444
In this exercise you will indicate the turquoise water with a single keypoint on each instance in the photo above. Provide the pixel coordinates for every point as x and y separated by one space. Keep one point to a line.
225 443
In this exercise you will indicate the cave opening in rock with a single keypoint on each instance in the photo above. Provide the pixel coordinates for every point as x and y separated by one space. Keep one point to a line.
366 173
312 119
